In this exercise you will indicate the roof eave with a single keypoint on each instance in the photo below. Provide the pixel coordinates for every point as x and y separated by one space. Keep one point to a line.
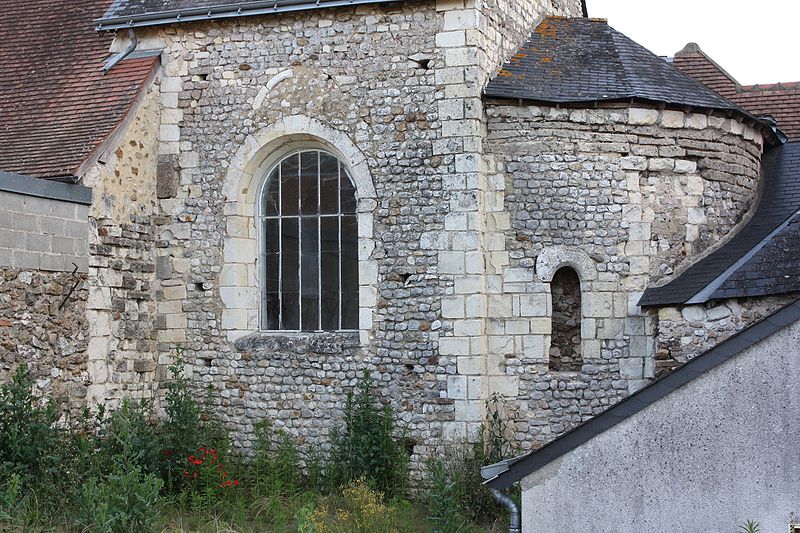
223 12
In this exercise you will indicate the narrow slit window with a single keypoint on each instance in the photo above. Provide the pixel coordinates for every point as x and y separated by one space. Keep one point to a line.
565 340
309 245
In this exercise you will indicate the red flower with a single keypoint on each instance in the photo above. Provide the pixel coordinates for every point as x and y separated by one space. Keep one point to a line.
235 481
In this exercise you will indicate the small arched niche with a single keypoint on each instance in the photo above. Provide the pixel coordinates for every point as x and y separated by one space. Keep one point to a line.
565 339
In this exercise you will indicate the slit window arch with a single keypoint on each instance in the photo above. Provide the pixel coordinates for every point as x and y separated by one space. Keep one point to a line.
309 242
565 340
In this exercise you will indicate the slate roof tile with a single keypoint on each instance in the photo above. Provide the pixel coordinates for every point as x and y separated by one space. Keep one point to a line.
56 106
762 258
579 60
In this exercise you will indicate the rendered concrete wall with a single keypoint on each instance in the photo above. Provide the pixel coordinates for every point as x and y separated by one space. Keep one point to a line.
717 452
42 233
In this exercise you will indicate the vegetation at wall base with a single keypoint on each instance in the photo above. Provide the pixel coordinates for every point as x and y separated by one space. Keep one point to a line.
126 470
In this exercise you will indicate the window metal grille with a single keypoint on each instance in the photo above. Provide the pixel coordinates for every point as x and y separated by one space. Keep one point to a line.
309 240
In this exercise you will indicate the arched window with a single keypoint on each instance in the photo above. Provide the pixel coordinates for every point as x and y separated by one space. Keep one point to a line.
565 340
309 245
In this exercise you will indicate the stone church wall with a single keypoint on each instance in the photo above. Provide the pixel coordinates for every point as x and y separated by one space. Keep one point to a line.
688 331
121 306
395 91
625 196
43 262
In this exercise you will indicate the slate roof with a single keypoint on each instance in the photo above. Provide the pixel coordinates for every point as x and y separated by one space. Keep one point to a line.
520 467
580 60
56 106
761 258
780 100
133 13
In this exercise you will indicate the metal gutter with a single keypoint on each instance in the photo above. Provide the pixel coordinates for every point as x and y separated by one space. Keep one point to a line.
224 11
700 365
113 61
41 188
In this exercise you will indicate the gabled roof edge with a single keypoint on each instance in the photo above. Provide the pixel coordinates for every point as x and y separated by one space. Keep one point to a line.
526 465
223 11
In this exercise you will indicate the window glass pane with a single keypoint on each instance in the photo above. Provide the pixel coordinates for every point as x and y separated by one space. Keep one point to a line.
271 311
349 234
291 311
329 180
309 167
289 185
290 256
349 272
348 193
271 236
269 207
271 272
350 310
309 259
330 290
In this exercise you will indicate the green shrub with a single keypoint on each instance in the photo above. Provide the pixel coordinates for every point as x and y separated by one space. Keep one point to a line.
29 439
368 449
124 500
445 513
275 469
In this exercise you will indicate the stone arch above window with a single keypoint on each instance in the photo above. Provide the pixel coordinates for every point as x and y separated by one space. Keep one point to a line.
241 280
565 339
309 245
552 258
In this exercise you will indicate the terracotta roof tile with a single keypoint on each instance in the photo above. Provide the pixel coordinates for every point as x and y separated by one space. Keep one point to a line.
56 106
781 100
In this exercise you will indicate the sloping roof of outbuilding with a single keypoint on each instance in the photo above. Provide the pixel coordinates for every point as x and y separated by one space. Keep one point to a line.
760 259
510 471
57 107
580 60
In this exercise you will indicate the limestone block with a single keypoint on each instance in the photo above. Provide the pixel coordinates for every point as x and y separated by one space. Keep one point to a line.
718 313
685 167
469 365
238 297
661 165
631 368
534 346
539 326
468 285
468 328
496 363
239 250
669 313
475 263
447 39
475 387
697 121
500 305
174 293
633 163
433 240
515 275
454 431
501 345
637 385
694 313
672 119
610 328
238 227
452 262
99 298
176 321
457 387
474 305
454 346
642 117
460 57
468 410
533 305
234 319
172 336
598 305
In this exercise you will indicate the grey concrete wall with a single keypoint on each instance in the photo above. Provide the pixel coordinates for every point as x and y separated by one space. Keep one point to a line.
713 454
41 233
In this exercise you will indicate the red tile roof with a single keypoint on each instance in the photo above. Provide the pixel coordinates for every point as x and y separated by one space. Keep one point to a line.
781 100
56 106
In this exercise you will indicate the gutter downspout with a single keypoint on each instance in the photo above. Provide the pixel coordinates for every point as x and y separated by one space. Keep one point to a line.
111 63
514 517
